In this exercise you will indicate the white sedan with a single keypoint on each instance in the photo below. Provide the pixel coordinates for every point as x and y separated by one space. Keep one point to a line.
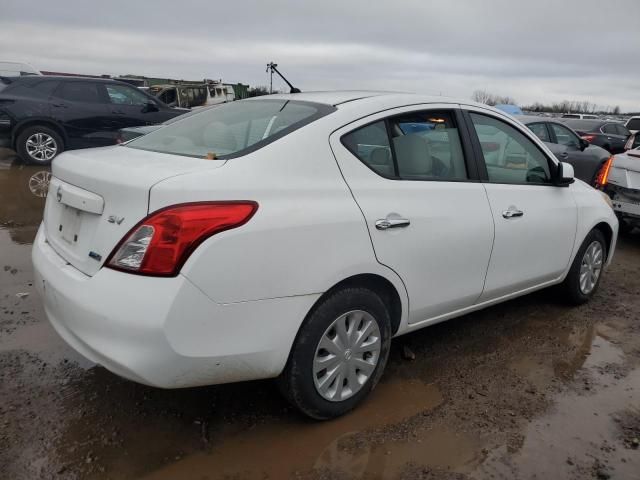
293 236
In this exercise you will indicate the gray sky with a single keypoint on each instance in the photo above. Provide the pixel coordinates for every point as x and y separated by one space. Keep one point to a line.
545 50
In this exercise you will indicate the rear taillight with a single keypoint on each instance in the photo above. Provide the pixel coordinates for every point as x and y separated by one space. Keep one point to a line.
603 175
161 243
588 138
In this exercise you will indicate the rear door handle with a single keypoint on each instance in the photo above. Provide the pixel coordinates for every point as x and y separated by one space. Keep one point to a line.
392 222
512 212
117 112
60 105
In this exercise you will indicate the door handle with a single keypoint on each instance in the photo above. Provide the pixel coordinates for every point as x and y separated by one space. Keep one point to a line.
512 212
60 105
386 223
117 112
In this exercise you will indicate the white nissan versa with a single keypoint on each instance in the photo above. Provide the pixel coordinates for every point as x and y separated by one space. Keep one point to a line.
292 236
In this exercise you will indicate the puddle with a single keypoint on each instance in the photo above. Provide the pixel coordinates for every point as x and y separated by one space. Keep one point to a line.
578 431
345 445
24 188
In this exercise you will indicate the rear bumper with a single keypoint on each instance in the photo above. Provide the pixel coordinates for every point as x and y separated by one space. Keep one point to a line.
164 332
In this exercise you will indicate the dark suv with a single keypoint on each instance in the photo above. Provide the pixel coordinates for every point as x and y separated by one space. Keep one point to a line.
40 116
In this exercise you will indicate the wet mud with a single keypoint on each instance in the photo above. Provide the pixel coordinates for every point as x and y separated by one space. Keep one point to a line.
528 389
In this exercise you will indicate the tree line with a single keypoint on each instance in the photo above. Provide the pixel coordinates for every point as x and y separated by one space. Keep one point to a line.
565 106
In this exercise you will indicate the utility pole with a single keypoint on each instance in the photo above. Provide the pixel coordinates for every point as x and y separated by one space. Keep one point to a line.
270 68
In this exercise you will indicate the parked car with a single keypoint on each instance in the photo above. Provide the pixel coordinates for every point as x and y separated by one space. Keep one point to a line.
609 135
587 160
632 142
126 134
585 116
633 124
40 116
17 69
193 96
183 96
622 184
293 236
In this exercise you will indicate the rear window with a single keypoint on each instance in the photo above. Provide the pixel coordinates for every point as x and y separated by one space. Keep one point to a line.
233 129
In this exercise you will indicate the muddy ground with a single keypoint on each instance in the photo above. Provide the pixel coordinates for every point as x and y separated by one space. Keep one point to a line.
527 389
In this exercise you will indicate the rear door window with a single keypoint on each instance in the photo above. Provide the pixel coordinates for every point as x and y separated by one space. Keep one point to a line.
124 95
540 129
371 145
415 146
610 128
622 130
564 136
82 92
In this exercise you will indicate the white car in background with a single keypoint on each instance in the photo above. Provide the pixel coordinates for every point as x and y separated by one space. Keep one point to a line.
293 236
623 186
17 69
633 124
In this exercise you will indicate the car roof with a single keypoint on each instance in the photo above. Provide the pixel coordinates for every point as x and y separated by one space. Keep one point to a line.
340 97
526 119
39 78
582 124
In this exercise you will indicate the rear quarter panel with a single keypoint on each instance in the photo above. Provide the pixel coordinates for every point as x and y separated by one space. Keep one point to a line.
307 235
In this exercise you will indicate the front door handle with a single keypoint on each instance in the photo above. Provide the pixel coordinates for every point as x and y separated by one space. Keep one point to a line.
391 222
512 212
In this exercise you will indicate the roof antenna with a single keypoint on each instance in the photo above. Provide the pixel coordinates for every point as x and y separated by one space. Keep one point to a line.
273 67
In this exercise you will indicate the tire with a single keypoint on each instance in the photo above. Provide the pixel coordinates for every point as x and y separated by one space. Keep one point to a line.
39 145
571 287
298 382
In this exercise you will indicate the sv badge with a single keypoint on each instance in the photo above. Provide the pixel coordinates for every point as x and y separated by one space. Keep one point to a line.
115 219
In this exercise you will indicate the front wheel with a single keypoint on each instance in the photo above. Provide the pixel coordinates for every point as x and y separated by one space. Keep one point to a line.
339 354
39 145
586 270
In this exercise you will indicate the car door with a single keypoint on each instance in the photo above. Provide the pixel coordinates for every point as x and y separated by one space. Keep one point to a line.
535 221
129 107
585 163
614 137
412 174
80 107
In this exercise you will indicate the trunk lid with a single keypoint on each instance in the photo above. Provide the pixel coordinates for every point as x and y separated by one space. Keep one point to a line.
97 195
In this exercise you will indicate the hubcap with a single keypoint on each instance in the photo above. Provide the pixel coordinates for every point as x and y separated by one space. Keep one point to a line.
41 147
591 267
346 355
39 183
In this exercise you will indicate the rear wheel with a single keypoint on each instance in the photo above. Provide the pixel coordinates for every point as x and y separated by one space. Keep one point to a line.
339 354
39 144
586 270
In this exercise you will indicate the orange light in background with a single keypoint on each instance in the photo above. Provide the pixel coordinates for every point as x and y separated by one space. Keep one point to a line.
603 174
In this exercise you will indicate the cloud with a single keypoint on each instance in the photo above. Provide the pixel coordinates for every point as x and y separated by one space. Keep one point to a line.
543 50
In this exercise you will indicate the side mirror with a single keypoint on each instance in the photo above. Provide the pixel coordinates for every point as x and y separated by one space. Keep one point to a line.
583 144
564 175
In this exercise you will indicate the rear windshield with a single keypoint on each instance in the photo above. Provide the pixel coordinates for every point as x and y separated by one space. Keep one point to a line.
232 129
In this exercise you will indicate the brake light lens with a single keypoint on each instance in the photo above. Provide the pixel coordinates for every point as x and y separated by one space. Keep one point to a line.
161 243
588 138
603 175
